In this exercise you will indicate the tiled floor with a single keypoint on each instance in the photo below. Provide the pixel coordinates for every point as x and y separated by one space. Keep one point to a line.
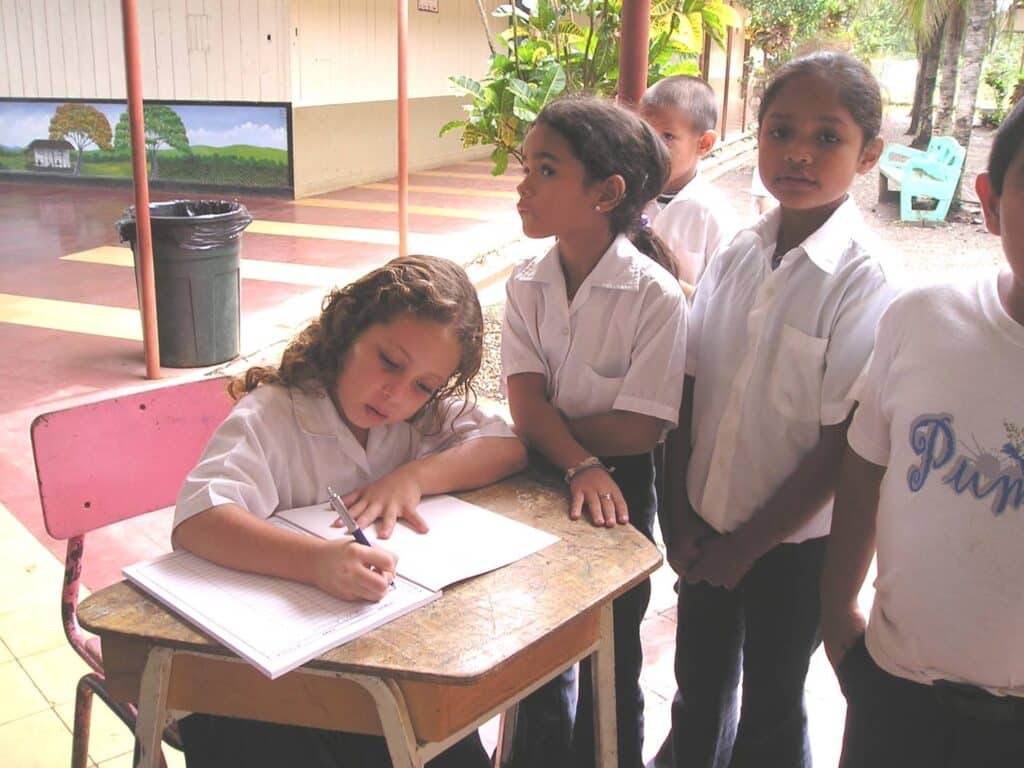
69 329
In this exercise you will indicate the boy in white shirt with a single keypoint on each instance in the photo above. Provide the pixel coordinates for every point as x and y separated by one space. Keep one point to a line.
934 477
690 216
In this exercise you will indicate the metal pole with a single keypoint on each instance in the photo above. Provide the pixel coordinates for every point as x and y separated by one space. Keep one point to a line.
143 234
636 30
403 128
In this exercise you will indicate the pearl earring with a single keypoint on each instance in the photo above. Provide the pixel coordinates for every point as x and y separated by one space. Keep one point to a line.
597 208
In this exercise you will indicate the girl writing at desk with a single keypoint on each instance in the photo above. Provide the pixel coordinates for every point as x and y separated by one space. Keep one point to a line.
370 399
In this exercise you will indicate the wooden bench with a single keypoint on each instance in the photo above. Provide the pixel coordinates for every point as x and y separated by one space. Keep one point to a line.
925 179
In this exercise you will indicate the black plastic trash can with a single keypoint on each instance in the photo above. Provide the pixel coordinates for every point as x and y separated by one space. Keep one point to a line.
196 247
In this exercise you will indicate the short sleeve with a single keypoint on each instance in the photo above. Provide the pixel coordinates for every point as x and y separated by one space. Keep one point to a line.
460 423
519 353
869 434
653 385
851 342
234 468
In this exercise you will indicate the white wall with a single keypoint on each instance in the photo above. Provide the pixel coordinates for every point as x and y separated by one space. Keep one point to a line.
346 49
230 50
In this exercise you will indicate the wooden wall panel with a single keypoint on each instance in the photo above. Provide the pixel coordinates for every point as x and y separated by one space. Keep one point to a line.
23 20
10 60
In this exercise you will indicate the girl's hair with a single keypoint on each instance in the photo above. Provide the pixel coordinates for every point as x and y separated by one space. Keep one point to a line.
1007 143
858 88
610 140
427 287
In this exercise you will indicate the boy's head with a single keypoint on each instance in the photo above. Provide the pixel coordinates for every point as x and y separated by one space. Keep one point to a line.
1001 189
682 110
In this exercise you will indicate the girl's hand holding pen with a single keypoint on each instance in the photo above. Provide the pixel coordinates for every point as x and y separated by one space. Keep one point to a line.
351 571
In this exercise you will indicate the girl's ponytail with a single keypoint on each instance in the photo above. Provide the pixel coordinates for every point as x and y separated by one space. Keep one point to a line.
652 246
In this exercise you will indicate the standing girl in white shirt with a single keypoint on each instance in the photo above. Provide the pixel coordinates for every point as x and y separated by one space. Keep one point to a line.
592 355
368 399
782 324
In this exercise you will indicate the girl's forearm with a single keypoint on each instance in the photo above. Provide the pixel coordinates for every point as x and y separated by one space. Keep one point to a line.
618 433
471 464
540 424
229 535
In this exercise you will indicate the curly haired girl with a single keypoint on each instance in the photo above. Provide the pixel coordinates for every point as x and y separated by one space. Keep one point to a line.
371 399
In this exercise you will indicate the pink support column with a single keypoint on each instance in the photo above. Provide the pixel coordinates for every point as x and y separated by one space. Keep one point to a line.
143 234
636 30
403 128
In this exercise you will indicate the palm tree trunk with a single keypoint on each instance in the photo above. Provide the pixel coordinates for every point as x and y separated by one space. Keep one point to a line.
949 68
976 44
915 108
931 69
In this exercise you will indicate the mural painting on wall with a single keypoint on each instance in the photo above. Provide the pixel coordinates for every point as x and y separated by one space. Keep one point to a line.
231 145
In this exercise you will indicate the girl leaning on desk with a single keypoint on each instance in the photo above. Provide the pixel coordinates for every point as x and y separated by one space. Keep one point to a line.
370 398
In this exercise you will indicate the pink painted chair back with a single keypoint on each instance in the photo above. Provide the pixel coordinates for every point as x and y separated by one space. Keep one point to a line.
102 462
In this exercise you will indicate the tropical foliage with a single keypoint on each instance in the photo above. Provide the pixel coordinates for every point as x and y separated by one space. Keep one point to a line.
81 125
566 47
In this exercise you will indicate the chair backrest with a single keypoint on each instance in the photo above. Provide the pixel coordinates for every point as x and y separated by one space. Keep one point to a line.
106 461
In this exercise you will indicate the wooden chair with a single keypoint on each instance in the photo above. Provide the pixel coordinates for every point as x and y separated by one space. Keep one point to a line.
107 461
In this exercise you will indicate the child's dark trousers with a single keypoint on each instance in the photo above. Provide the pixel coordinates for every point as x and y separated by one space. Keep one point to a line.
892 722
555 727
766 628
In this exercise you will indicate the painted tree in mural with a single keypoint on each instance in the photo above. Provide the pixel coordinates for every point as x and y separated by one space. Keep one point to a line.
81 125
163 128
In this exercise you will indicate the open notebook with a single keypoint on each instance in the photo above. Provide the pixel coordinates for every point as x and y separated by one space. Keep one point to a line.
278 625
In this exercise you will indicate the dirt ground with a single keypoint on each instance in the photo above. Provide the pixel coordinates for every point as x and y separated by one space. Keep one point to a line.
914 253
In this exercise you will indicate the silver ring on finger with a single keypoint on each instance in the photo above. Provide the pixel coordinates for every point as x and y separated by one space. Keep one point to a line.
606 496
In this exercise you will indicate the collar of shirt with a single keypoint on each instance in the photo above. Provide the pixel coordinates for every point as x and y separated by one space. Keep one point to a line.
616 269
316 415
695 188
826 245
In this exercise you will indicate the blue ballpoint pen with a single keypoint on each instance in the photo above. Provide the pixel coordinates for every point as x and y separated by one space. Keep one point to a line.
343 514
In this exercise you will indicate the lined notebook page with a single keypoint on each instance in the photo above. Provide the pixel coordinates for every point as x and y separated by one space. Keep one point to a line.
275 624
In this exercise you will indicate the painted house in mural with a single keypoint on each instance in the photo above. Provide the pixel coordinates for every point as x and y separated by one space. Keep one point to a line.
50 155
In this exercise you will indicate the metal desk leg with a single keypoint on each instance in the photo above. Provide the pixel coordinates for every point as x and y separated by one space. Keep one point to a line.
394 719
602 672
149 726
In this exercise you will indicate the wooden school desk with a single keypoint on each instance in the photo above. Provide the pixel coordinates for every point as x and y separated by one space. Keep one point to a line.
425 680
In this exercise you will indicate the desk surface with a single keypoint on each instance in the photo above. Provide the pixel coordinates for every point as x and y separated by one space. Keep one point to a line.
485 622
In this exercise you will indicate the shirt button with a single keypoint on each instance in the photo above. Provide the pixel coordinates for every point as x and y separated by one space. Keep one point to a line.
565 331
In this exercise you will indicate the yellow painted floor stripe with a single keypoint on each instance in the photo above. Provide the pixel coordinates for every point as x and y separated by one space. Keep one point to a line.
456 191
251 269
72 316
424 210
512 178
417 241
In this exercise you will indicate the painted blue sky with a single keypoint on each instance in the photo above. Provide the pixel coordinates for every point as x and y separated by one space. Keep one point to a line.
216 126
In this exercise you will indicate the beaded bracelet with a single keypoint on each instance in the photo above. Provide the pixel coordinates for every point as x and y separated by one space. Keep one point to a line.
591 462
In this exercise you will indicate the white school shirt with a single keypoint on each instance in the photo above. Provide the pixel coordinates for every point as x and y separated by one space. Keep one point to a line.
280 447
775 354
620 344
694 224
941 406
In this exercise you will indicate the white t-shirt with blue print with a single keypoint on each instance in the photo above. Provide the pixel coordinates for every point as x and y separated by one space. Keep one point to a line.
942 407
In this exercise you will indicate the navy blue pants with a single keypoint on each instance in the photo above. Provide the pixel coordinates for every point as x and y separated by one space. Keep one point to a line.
212 741
766 629
555 725
892 722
